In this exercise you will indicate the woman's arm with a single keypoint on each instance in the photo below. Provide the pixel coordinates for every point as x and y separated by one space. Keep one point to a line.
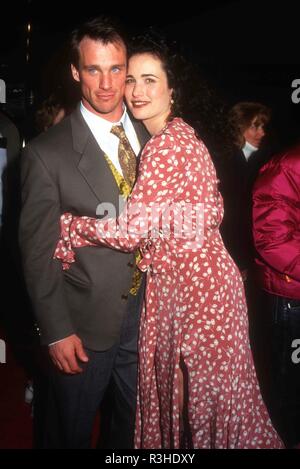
160 180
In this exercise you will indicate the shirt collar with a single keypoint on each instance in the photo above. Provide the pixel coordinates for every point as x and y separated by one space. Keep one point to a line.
248 149
102 124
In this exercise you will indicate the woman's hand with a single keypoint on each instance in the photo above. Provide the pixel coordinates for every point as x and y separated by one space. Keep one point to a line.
75 232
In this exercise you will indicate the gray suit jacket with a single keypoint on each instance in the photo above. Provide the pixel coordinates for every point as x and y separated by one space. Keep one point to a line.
64 170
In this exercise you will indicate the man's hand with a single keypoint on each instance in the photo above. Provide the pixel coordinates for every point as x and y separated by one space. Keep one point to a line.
64 354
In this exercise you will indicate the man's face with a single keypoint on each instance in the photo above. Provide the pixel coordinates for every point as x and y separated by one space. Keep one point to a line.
102 74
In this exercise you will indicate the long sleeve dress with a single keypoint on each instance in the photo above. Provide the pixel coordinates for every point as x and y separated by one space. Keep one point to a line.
194 310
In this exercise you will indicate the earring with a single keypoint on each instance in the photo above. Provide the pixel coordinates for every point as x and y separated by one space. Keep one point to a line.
172 101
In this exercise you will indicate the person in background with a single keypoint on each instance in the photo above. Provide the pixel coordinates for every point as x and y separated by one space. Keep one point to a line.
248 122
3 164
276 233
197 382
9 163
251 146
87 317
22 338
51 112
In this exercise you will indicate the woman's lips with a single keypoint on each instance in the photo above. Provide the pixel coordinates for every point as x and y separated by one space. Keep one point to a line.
139 103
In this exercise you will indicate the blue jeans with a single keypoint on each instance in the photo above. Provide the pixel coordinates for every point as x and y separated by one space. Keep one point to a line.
278 325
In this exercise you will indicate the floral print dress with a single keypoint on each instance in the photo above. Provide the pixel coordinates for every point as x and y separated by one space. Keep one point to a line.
194 312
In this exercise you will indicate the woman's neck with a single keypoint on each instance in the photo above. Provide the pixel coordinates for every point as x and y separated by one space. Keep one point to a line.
155 124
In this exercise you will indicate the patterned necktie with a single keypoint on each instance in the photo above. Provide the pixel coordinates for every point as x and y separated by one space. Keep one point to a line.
127 158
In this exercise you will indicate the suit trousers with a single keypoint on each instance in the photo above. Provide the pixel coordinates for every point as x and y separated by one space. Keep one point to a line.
278 363
74 400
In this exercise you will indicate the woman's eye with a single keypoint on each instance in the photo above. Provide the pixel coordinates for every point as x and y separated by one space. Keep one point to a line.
129 80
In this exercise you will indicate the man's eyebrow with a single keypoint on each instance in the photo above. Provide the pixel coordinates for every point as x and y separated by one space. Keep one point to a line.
119 65
97 67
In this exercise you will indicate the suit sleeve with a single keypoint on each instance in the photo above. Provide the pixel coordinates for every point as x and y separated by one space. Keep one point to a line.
275 227
38 234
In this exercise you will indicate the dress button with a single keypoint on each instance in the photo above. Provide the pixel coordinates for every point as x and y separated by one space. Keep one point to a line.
124 297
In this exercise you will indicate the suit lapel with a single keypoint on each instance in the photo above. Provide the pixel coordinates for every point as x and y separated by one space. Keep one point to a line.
96 172
91 162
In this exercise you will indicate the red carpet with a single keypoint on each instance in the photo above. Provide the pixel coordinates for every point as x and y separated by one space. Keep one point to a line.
15 415
16 423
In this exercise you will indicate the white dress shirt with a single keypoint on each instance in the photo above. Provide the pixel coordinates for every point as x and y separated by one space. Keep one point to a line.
248 149
107 141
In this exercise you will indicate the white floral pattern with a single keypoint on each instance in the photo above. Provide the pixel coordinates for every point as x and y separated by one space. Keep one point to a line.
194 309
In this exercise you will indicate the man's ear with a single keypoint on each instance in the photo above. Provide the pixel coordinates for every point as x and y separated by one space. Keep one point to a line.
75 73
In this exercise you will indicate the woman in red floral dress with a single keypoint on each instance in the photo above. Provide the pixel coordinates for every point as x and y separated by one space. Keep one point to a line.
194 327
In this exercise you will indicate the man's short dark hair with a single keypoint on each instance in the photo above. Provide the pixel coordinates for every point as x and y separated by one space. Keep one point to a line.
103 29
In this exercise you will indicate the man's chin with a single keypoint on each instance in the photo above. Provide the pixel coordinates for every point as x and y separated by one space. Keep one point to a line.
103 109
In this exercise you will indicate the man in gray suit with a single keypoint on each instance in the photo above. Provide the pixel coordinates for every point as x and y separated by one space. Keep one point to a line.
86 315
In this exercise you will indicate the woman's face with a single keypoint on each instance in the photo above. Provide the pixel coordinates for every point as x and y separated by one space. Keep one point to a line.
147 92
255 132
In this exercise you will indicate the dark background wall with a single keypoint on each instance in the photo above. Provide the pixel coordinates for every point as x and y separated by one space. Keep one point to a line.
247 50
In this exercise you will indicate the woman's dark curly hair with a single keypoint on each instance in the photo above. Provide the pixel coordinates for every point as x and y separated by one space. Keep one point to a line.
194 99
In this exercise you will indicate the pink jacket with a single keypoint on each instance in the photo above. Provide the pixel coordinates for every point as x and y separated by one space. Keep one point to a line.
276 224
